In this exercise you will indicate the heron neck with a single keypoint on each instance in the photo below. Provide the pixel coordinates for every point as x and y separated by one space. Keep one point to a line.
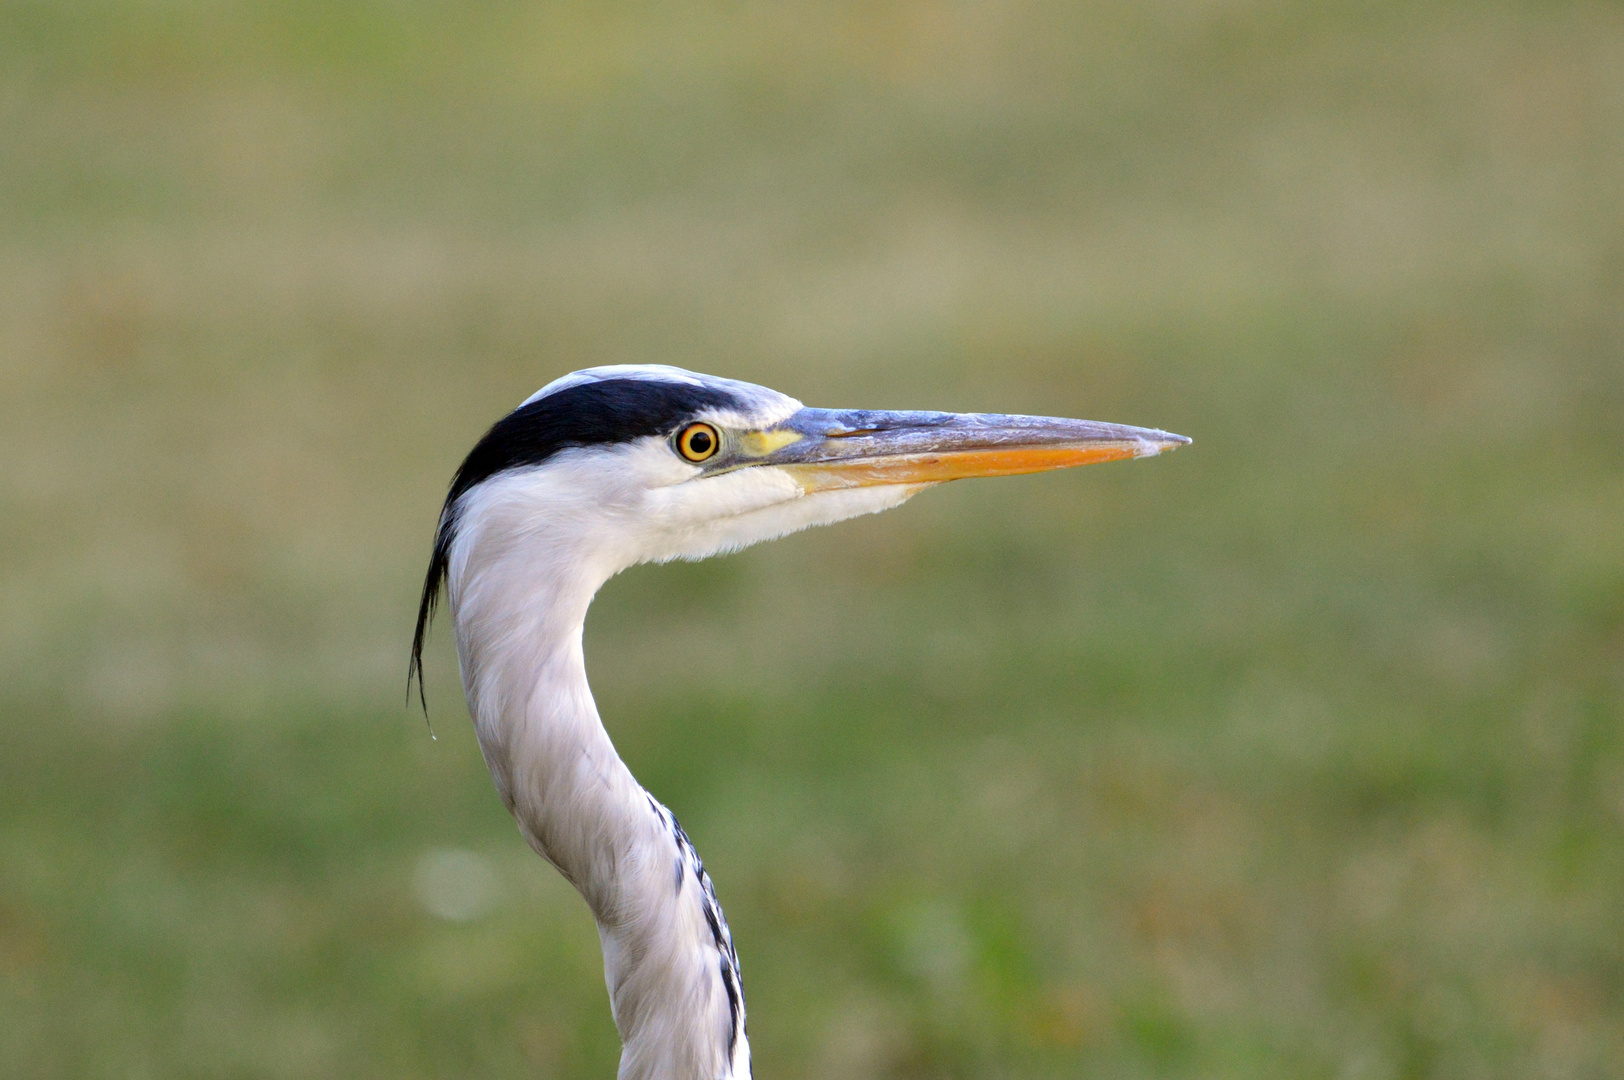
668 955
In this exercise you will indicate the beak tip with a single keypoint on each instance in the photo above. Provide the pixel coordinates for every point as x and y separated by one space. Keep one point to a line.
1160 442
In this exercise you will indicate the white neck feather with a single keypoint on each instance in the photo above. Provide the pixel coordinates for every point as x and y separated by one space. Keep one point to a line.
668 955
531 548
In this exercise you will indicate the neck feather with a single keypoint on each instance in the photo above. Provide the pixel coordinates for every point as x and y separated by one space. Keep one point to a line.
668 955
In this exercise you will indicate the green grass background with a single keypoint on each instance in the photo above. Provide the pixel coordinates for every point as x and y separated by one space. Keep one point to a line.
1294 754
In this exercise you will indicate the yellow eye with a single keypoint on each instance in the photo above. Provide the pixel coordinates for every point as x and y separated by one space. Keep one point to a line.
698 442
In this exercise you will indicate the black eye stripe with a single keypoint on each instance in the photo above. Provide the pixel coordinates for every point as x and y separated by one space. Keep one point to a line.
611 411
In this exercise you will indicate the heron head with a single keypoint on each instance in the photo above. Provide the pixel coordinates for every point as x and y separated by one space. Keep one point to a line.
613 466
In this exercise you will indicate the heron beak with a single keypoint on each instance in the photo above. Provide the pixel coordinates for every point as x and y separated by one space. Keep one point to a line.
824 449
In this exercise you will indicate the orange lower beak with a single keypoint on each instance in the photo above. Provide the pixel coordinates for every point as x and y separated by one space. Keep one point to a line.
951 465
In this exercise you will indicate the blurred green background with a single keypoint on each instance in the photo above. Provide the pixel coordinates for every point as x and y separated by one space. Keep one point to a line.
1295 754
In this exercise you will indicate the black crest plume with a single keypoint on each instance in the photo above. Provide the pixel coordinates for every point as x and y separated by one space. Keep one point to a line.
588 414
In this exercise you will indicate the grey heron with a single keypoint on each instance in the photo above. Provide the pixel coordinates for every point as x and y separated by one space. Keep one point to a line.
610 467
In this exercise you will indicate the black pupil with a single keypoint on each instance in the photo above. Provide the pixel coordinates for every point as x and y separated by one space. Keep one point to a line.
699 442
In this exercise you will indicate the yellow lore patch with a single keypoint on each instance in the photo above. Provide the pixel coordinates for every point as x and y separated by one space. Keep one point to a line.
762 443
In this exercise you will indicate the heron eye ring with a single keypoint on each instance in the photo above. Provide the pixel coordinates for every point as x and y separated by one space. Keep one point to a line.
698 442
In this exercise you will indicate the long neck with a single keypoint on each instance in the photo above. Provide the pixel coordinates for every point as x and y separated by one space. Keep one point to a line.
668 955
